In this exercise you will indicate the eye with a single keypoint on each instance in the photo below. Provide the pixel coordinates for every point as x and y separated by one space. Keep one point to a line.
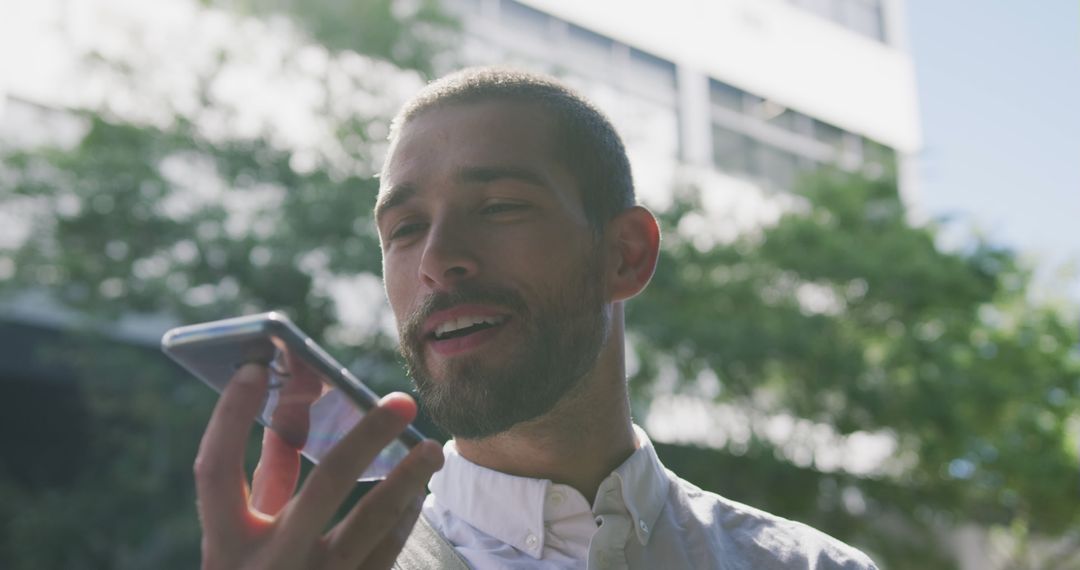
406 229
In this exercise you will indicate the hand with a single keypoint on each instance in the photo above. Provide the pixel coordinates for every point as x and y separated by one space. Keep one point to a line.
274 527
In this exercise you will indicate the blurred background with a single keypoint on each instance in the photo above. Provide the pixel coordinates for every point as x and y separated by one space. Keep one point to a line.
865 316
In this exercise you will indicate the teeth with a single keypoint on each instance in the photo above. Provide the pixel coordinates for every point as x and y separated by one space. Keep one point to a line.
465 322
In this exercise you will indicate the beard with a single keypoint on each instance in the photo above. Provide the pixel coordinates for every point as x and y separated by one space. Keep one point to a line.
561 338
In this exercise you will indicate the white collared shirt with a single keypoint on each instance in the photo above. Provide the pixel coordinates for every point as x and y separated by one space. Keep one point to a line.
643 517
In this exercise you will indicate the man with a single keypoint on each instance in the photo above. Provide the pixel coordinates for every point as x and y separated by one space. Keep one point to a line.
510 240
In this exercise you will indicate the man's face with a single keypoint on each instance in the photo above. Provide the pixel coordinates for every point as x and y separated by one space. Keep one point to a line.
491 267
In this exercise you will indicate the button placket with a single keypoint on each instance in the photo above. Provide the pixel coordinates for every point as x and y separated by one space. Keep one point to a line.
607 546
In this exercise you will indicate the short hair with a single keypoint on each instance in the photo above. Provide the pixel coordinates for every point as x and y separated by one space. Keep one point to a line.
585 139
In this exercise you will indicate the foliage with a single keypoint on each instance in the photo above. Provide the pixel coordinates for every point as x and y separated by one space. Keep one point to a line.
195 217
215 210
414 34
846 314
112 233
123 498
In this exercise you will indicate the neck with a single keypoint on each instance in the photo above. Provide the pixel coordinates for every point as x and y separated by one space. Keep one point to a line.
579 442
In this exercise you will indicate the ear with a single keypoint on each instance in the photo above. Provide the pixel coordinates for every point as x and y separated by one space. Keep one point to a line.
633 239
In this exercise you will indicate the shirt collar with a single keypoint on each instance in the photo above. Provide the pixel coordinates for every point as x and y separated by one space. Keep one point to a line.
511 508
505 507
644 483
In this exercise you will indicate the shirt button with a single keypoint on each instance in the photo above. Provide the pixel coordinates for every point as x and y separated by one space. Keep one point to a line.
557 498
531 541
643 526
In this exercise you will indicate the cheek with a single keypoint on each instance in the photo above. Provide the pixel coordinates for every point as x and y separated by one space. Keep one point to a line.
542 243
400 288
545 266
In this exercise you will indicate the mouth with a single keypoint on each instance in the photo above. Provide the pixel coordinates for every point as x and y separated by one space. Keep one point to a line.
465 326
462 328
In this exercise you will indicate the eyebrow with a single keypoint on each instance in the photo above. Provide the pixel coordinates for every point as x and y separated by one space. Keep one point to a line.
398 194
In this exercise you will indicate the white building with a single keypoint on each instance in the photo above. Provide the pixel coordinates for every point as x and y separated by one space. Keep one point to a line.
736 97
735 94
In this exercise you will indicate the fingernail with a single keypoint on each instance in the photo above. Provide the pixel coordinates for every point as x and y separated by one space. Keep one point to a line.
392 396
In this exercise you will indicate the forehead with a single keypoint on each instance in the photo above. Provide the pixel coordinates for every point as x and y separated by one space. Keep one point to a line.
484 133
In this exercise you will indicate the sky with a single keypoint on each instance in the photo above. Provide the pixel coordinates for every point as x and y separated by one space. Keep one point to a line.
999 96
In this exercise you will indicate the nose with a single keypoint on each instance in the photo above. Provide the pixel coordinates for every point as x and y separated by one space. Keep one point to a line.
448 256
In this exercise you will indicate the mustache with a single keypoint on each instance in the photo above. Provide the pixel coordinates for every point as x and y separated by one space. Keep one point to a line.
476 294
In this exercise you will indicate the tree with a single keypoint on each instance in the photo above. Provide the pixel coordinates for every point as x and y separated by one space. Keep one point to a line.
183 202
415 35
845 315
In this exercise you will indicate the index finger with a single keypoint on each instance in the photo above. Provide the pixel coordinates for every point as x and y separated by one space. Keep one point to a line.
328 484
220 481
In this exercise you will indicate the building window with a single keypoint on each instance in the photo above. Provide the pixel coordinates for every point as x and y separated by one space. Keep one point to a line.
761 140
878 159
649 76
589 45
828 134
522 18
726 96
865 17
732 151
648 67
778 168
743 156
775 114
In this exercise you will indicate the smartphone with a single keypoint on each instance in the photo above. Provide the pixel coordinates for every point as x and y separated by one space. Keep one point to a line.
312 400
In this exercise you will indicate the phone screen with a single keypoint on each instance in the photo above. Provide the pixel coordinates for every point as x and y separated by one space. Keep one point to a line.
311 401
